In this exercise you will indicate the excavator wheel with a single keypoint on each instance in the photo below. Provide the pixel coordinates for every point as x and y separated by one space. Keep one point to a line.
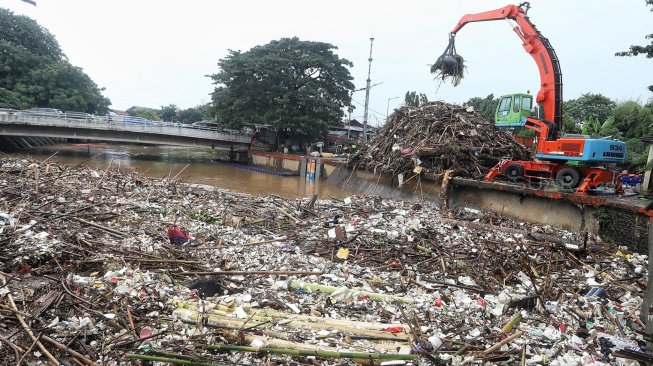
514 173
568 178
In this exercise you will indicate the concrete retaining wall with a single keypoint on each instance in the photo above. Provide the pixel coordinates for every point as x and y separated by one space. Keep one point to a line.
275 161
288 162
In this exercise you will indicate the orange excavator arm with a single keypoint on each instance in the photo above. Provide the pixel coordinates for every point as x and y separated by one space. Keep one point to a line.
550 94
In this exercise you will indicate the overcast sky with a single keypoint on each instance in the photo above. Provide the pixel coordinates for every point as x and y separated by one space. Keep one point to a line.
157 52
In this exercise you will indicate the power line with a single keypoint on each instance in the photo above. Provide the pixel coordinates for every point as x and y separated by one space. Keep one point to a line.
359 103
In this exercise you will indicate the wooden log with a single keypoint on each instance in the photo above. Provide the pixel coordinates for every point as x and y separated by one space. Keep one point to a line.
108 230
26 327
71 352
502 342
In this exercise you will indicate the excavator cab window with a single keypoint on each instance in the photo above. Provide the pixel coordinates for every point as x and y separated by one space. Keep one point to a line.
516 104
526 103
512 108
504 106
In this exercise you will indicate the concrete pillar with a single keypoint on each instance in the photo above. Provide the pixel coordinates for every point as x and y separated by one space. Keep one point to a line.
302 168
647 175
318 171
302 176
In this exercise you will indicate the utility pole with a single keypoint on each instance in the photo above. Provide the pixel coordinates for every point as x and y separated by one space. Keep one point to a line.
351 107
367 92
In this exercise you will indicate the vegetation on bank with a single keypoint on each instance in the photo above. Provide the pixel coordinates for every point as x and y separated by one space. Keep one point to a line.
34 71
296 86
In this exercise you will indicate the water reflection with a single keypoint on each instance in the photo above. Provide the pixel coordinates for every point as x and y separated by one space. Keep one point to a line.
192 165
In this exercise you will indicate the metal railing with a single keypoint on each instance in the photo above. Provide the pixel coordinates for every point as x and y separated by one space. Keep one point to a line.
108 119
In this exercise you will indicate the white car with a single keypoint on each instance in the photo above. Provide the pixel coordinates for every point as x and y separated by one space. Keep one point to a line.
45 112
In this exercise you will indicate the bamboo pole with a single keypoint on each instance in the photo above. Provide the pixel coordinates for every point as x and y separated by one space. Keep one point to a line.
218 320
331 289
176 361
324 354
505 341
269 314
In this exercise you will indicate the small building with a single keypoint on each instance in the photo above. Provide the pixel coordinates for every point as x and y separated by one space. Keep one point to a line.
353 128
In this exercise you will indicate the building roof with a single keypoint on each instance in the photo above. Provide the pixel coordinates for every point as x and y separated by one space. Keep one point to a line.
647 139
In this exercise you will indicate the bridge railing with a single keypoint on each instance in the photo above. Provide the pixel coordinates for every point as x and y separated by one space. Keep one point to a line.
111 120
73 122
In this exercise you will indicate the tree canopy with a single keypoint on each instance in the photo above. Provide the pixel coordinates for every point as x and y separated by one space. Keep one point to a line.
485 106
144 112
296 86
34 72
413 99
641 50
632 119
587 106
169 112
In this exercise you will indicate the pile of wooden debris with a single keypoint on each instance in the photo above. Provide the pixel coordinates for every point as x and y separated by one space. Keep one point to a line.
437 137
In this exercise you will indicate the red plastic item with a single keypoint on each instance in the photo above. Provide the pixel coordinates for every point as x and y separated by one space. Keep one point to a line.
437 303
24 269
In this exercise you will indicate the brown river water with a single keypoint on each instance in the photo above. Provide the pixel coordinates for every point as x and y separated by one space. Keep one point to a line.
190 165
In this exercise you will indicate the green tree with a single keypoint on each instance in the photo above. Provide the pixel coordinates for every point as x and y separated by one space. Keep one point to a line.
34 72
296 86
589 105
591 126
169 112
632 119
636 154
486 107
412 99
190 115
24 32
144 112
569 125
608 129
643 50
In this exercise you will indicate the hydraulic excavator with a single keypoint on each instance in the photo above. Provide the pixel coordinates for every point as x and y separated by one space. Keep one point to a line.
573 161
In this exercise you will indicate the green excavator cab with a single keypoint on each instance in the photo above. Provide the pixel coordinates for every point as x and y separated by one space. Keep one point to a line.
512 108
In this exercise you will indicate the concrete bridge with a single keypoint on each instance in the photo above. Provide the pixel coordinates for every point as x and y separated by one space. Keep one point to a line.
157 133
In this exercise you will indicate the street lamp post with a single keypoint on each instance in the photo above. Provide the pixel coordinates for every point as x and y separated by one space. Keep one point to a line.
367 92
387 111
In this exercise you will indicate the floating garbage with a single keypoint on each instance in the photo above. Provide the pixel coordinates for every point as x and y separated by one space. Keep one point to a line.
268 280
